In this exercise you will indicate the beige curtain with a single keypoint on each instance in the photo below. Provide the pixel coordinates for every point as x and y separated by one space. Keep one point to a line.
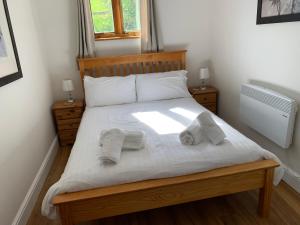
86 30
151 36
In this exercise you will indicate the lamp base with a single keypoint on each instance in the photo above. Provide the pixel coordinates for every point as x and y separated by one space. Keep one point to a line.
70 97
203 85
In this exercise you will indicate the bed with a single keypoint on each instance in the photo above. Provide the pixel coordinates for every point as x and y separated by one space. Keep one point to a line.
165 173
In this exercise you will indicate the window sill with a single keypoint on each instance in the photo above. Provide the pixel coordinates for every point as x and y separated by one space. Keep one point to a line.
108 37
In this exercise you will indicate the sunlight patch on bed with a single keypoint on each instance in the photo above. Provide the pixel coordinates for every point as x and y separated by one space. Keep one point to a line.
159 122
183 112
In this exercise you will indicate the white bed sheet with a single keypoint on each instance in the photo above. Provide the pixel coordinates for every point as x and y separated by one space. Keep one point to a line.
164 156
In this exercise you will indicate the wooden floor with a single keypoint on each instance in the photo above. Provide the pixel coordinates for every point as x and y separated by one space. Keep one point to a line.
238 209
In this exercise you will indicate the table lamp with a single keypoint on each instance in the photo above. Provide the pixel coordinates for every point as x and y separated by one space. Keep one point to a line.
68 87
204 75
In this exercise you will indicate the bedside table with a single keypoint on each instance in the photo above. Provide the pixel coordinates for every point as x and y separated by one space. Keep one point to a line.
67 119
207 98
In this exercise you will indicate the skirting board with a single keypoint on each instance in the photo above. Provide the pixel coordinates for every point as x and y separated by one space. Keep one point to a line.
292 178
36 186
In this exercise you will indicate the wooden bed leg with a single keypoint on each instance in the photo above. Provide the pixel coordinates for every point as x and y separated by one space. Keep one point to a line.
265 194
65 215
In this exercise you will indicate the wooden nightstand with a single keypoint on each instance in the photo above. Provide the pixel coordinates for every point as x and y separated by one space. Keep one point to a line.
207 98
67 119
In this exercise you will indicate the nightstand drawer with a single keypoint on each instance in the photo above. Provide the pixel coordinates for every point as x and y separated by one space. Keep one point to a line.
207 98
211 107
68 113
69 124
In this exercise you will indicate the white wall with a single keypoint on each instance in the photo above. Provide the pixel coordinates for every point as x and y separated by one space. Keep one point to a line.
185 24
26 130
245 52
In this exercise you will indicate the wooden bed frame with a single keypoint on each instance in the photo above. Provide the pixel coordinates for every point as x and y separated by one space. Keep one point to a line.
127 198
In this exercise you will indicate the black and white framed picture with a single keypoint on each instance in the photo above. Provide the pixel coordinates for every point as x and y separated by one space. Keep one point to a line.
10 69
278 11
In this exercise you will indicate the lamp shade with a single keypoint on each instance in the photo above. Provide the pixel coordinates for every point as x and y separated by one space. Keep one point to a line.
204 73
68 85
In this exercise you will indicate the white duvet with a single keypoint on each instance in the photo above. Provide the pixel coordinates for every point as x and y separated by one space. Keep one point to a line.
163 156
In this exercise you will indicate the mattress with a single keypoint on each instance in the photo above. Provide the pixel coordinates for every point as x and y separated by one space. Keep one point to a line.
164 156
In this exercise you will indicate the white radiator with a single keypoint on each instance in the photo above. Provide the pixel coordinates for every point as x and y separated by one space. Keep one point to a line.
269 113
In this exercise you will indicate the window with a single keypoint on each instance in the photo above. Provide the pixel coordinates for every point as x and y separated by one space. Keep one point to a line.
116 19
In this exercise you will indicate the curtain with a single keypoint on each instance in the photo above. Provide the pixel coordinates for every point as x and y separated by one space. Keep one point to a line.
86 30
150 33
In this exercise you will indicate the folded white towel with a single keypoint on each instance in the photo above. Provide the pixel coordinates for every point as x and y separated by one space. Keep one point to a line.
111 146
211 129
134 140
192 135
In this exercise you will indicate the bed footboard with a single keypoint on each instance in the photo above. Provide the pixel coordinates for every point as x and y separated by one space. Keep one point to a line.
128 198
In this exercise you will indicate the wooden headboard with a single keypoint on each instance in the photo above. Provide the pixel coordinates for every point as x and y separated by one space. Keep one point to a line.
132 64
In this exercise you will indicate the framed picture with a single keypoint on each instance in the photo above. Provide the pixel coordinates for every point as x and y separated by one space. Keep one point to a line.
278 11
10 69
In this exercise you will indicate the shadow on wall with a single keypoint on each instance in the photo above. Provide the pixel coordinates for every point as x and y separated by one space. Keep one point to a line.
229 95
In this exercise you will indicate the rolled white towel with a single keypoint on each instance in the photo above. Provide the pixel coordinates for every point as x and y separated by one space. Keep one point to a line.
192 135
211 129
111 146
134 140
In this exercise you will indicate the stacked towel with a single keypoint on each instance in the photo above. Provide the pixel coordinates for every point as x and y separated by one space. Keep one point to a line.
134 140
113 141
192 135
202 127
211 129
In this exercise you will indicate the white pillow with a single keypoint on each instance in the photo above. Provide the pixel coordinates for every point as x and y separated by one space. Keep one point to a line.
161 86
106 91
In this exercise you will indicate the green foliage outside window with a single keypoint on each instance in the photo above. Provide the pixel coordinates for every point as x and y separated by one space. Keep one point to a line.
131 16
102 14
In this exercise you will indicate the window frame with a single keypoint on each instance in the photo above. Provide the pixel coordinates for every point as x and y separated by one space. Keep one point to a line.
118 25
